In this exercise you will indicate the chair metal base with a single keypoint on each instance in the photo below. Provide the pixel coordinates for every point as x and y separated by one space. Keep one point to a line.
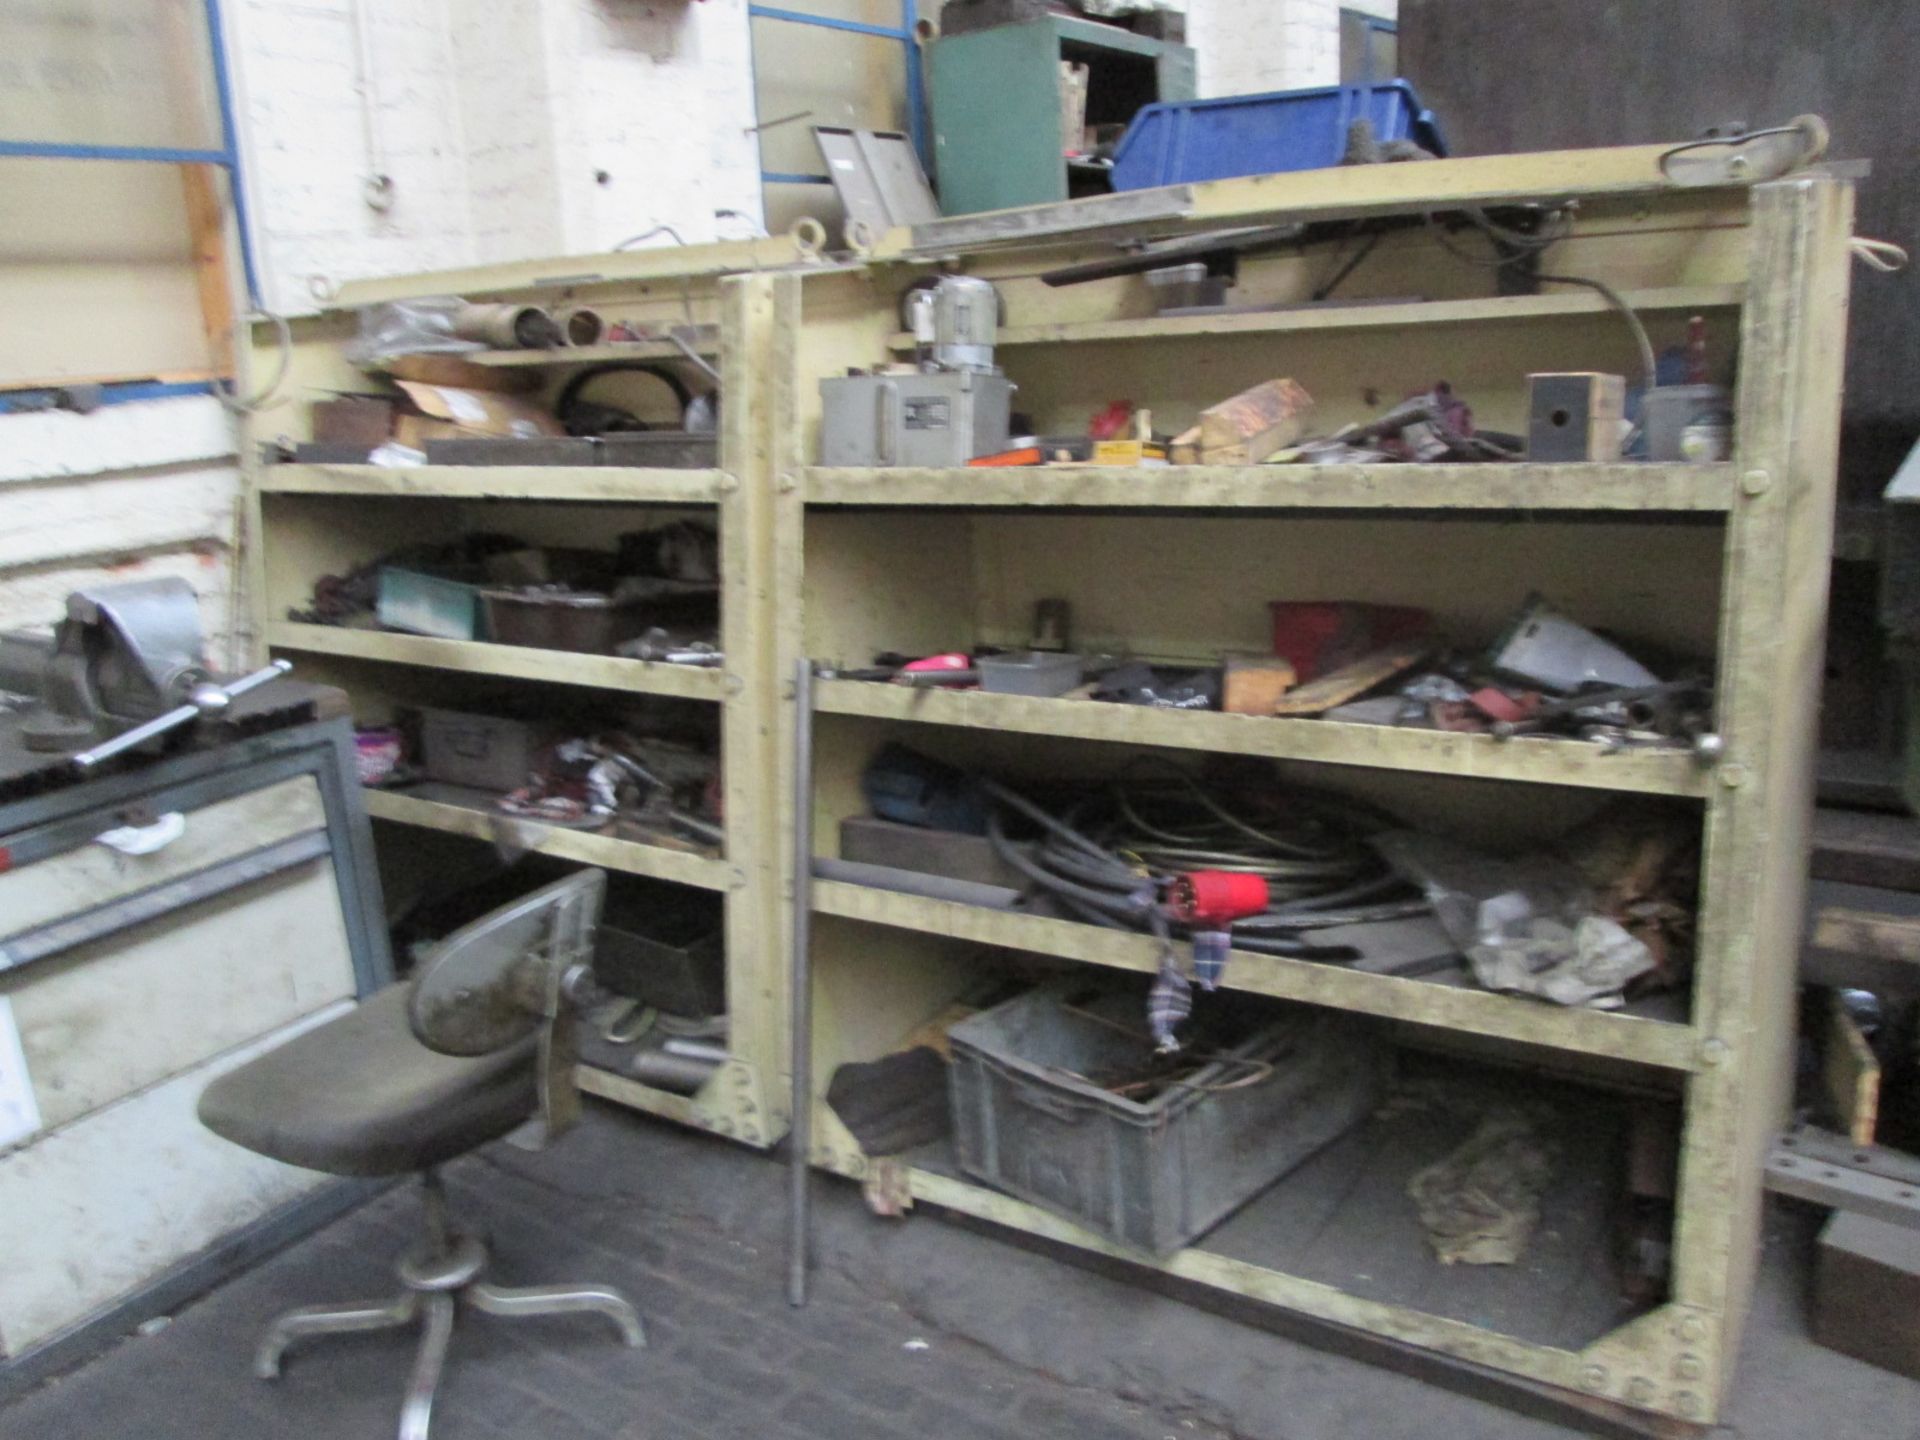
446 1271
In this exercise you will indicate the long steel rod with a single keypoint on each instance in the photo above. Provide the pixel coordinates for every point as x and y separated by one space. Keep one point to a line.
800 996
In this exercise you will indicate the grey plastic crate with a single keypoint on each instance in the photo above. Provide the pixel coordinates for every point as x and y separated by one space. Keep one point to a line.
1154 1174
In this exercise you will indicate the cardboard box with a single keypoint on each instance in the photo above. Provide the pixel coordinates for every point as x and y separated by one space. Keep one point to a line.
1251 426
423 412
457 370
454 412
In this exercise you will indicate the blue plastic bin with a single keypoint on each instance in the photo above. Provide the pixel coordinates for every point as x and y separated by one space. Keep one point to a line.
1187 140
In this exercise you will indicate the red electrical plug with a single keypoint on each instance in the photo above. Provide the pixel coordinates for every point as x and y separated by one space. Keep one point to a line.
1214 899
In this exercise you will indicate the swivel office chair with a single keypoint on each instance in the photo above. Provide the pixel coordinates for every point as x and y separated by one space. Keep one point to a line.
477 1045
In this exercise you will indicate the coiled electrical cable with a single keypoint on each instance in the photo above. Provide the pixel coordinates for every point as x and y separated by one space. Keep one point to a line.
1112 857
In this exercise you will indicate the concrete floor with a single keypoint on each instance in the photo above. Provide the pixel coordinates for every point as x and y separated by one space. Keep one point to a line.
1016 1344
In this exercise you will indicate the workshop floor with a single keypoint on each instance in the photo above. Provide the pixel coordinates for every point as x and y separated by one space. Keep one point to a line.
918 1330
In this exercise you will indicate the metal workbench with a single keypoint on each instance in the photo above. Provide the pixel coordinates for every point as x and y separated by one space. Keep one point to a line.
159 925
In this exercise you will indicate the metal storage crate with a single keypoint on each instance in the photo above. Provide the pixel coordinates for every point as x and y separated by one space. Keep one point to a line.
1155 1173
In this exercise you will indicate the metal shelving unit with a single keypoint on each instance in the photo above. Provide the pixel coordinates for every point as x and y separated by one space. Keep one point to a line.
1727 561
1721 560
312 520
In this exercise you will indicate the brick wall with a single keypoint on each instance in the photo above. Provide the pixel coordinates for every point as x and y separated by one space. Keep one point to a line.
1249 46
511 130
129 492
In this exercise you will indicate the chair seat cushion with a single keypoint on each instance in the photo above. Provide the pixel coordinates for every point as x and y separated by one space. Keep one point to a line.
360 1095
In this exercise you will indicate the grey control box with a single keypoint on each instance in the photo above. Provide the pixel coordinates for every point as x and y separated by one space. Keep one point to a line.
939 419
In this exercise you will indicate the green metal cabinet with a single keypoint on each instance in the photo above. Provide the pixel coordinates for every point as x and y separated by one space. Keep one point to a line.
995 97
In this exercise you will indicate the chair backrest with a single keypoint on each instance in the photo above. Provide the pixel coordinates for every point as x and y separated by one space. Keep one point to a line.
496 982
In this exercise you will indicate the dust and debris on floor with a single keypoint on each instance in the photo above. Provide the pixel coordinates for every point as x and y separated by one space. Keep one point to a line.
727 1356
917 1330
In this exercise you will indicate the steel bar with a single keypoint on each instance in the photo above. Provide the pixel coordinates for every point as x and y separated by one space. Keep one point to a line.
800 998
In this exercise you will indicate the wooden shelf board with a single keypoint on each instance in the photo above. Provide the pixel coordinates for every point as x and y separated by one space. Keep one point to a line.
1538 759
1632 488
1360 315
1335 193
516 662
590 354
1661 1043
603 484
473 816
1199 1265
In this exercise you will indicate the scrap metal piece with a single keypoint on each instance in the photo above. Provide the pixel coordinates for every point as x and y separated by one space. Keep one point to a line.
1746 157
1033 222
877 177
1544 648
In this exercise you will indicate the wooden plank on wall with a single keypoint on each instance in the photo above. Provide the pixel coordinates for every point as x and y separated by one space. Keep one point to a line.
207 224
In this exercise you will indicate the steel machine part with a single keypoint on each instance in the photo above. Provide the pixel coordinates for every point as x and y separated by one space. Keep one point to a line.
508 327
956 406
581 325
954 323
940 420
878 179
1544 648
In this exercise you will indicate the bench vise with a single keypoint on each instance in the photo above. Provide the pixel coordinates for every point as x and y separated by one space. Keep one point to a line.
124 667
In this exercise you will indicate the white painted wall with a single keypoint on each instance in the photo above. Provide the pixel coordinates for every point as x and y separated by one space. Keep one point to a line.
129 492
1246 47
511 130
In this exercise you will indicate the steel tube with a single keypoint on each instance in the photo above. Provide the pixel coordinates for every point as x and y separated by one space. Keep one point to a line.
800 996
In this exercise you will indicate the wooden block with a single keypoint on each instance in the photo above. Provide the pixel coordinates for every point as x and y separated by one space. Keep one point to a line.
1866 1292
1575 416
354 420
1253 684
1336 687
1129 454
207 223
1851 1074
1248 428
454 370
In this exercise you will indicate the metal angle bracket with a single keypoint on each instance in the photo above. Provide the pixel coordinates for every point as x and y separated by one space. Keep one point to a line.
1811 1165
1075 218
